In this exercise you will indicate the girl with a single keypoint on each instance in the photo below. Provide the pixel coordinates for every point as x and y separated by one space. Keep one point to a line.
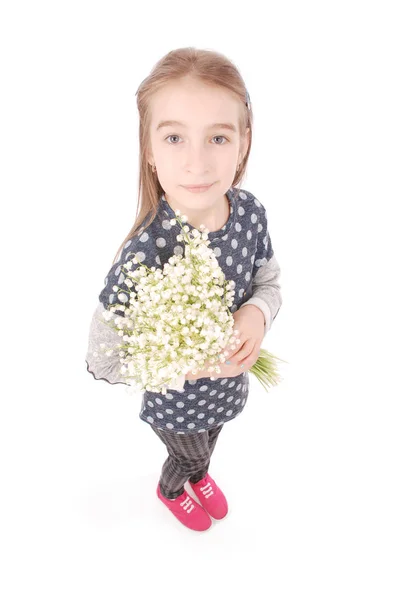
195 139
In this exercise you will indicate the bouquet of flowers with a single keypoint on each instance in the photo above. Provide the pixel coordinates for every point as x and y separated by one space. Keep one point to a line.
178 318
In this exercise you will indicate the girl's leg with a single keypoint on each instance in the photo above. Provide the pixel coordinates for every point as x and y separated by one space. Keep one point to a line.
187 454
213 435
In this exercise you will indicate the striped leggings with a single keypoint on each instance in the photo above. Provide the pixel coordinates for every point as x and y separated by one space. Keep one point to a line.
188 458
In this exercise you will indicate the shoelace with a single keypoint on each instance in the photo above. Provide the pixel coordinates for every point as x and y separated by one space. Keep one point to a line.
187 504
207 490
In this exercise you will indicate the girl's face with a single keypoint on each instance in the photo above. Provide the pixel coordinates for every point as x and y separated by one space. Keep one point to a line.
202 146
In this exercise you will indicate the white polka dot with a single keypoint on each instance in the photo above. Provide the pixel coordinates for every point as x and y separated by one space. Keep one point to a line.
180 405
169 425
178 250
217 252
247 276
239 268
201 430
238 227
201 415
203 388
234 243
127 244
238 387
190 412
160 242
243 402
169 396
230 398
191 425
169 411
211 420
229 260
159 262
141 256
149 403
223 381
242 195
220 409
244 251
181 432
202 402
224 238
249 234
238 400
254 218
166 224
180 419
257 202
191 396
159 415
211 406
144 237
158 401
231 384
212 393
150 419
241 211
229 413
222 395
260 227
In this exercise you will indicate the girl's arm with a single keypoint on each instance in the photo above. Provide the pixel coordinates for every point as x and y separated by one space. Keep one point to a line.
108 367
266 291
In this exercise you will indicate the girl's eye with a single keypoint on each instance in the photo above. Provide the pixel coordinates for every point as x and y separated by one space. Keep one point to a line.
216 136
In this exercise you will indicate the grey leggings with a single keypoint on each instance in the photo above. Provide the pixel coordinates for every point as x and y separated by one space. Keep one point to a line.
188 458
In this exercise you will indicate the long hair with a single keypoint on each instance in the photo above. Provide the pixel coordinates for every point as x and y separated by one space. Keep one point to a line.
206 66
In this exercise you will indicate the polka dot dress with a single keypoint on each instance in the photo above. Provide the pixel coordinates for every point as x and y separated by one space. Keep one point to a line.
241 246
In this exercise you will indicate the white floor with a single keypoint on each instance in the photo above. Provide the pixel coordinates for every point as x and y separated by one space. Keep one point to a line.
311 481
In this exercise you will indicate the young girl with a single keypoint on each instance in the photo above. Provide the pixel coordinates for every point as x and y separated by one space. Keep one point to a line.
196 130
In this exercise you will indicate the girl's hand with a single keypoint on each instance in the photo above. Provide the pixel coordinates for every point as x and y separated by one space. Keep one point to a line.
249 320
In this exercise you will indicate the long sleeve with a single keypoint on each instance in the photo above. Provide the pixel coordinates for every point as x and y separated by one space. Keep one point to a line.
103 366
266 291
266 288
106 367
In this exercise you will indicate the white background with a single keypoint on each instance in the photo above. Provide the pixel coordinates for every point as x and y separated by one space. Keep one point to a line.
311 470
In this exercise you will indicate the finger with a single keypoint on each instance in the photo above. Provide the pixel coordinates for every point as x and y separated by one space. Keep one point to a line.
245 352
232 348
249 361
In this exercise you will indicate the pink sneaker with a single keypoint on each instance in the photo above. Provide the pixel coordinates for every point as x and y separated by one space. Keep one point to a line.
211 497
187 511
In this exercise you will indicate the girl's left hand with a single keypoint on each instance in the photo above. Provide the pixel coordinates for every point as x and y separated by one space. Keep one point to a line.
250 322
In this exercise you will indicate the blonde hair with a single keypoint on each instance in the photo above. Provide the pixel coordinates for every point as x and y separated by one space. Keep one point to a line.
208 67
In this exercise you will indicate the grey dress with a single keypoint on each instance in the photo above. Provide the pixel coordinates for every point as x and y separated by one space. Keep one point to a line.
244 252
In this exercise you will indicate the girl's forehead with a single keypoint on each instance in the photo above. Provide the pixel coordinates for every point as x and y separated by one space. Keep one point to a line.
197 109
194 94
